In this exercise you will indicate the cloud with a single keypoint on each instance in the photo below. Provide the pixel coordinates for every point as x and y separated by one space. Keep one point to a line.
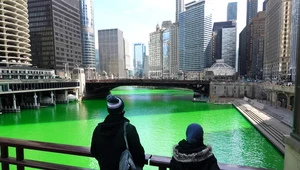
128 12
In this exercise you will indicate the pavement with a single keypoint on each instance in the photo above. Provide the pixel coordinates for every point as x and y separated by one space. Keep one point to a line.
274 123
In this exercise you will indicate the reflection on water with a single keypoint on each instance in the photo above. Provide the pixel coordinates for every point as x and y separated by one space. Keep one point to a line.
160 116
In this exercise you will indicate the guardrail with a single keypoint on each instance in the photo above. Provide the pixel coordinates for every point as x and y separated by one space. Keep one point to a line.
158 161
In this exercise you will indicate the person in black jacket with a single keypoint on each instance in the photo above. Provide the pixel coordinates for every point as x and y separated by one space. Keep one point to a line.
192 154
108 138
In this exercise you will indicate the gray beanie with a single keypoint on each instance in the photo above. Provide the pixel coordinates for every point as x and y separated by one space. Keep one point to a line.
115 105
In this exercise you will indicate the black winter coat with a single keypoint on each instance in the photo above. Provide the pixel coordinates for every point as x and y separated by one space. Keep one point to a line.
196 156
108 143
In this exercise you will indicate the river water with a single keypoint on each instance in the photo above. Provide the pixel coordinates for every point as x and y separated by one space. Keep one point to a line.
160 116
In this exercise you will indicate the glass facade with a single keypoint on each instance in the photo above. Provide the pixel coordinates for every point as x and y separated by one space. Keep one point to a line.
138 60
166 53
294 37
88 38
232 11
229 46
195 30
251 9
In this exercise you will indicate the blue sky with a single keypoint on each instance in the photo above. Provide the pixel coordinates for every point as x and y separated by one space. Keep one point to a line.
137 18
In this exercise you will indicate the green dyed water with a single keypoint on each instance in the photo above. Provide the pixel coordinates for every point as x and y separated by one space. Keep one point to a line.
160 116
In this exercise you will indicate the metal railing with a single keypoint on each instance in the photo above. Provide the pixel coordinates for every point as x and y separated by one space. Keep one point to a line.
158 161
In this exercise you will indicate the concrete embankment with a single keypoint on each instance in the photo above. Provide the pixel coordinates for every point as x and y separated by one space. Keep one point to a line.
273 129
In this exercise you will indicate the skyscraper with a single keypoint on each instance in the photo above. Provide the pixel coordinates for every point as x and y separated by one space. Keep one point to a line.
87 33
252 6
155 53
294 37
97 60
166 42
55 34
242 60
174 61
229 45
111 52
232 11
277 39
139 50
217 39
128 61
15 48
255 51
179 8
195 30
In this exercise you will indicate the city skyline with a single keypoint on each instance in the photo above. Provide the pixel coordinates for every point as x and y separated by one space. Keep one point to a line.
132 14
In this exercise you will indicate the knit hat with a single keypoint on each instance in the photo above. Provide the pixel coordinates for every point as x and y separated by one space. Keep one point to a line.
115 105
194 133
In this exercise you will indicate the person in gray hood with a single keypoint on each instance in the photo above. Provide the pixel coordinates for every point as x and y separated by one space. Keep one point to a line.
192 154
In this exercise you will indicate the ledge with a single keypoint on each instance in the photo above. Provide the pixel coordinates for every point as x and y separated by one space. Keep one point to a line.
293 143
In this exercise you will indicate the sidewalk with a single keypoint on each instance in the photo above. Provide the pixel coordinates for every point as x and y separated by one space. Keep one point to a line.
282 114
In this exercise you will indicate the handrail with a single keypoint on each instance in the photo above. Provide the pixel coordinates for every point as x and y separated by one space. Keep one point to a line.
161 162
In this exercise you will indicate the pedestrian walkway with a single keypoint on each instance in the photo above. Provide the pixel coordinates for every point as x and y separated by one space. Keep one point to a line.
268 121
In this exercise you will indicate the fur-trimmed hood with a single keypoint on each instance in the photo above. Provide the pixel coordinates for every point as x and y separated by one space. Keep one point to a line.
199 156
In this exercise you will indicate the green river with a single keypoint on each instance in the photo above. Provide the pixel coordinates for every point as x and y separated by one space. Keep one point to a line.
160 116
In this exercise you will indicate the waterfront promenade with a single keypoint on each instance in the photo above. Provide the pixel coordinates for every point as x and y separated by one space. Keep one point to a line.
273 123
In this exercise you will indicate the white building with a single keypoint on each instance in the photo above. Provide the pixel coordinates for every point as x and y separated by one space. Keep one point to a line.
155 53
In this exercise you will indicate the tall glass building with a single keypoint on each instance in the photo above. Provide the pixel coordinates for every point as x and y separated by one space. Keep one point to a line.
87 33
138 60
294 37
232 11
195 30
251 9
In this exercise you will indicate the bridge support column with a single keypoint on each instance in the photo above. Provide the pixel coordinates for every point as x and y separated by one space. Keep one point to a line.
52 99
35 99
66 96
14 102
76 93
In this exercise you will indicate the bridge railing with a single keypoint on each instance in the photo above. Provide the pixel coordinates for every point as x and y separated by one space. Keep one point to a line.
158 161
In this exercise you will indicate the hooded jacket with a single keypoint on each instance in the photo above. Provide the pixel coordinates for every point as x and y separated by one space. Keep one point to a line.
108 143
195 156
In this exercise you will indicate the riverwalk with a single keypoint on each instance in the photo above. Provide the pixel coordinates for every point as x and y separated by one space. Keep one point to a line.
273 123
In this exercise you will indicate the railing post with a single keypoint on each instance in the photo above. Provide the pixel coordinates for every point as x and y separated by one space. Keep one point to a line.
20 157
4 154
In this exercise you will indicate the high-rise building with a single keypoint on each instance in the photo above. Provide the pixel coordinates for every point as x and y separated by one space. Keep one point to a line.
265 5
166 42
15 48
179 9
252 6
55 34
195 30
166 24
128 61
155 53
232 11
87 33
111 52
138 59
174 61
294 37
97 60
255 51
229 45
277 39
242 60
217 39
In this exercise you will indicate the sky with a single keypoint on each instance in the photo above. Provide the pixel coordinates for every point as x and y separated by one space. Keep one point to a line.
138 18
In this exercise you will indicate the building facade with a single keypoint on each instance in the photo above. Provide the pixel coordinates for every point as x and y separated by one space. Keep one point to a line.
179 9
166 57
111 52
242 60
155 53
294 37
97 60
195 30
87 33
128 61
229 45
252 6
256 32
277 39
174 61
15 47
55 34
232 11
217 39
138 60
